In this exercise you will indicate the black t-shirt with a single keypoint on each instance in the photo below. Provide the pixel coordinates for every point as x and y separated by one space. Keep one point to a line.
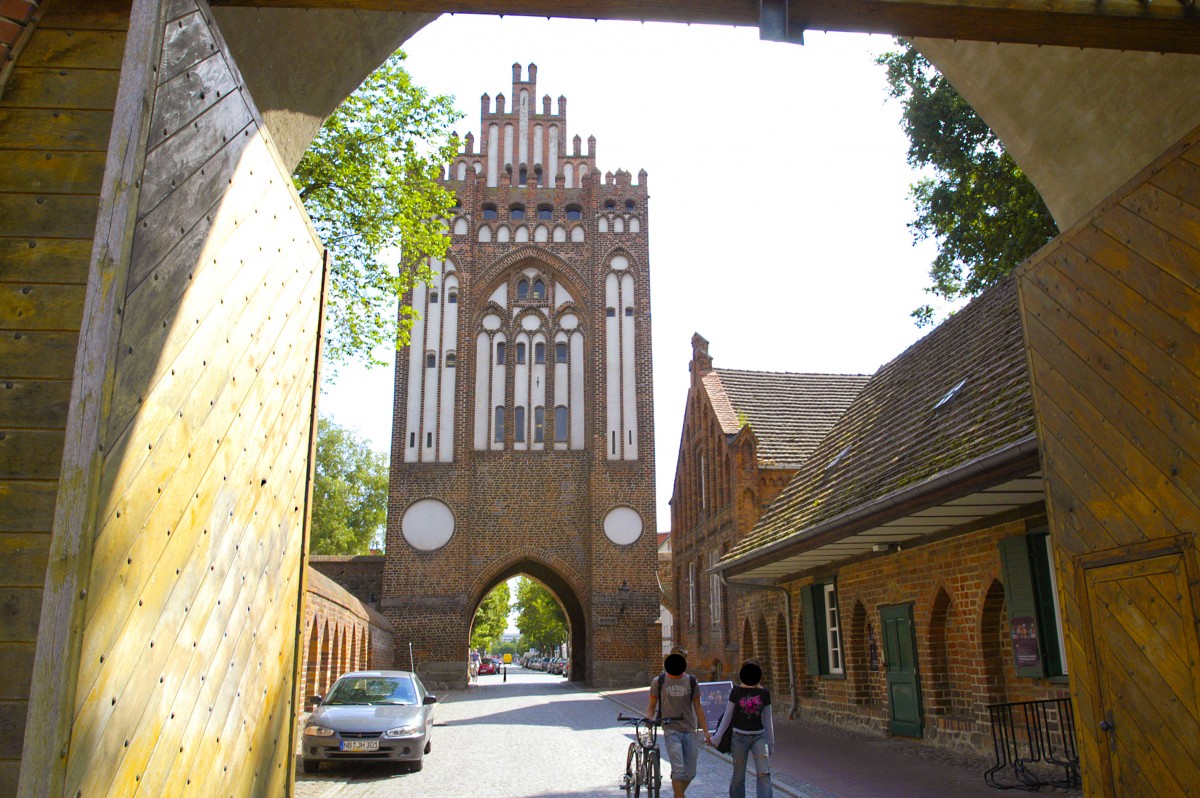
748 705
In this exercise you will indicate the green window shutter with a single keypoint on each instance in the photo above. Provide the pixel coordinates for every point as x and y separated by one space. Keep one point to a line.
812 656
1023 619
1044 587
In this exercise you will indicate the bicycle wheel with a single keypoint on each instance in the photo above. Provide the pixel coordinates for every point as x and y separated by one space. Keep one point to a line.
632 764
653 774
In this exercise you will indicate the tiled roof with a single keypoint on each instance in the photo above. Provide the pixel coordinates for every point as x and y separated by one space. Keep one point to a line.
895 434
789 413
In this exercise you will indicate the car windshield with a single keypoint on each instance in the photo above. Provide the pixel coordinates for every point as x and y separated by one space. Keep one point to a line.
372 690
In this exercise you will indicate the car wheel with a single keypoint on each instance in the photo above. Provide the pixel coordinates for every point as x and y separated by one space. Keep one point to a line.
428 746
312 765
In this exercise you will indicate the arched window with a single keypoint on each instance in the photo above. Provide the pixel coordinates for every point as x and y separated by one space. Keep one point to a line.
539 352
539 424
452 297
523 289
433 297
610 312
539 289
523 177
498 434
560 422
499 353
520 354
489 212
519 424
629 205
610 205
451 360
517 212
574 213
545 212
628 311
431 360
560 353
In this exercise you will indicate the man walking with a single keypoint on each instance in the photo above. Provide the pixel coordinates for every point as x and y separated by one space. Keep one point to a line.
675 694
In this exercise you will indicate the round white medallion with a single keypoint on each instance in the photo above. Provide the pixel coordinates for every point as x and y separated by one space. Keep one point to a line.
569 321
428 524
623 525
531 321
619 263
491 322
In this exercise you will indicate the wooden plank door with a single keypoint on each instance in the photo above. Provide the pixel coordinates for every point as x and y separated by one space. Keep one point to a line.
900 651
1144 635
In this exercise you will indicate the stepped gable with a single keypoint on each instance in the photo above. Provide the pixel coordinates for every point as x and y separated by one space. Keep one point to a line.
789 413
910 423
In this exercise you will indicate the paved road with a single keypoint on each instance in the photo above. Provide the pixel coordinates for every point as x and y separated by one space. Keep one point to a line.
532 737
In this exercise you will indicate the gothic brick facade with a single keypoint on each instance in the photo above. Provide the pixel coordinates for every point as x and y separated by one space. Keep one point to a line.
744 435
523 435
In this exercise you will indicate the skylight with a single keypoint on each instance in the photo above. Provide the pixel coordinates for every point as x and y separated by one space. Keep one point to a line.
950 393
839 457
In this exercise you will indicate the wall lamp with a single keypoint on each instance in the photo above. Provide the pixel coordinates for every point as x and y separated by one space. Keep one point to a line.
623 591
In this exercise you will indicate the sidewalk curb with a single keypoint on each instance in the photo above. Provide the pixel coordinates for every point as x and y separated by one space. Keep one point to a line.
777 784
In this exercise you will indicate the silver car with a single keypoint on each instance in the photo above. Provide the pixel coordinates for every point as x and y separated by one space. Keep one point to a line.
370 716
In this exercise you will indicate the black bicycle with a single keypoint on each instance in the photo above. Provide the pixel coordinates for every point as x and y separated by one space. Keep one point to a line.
642 761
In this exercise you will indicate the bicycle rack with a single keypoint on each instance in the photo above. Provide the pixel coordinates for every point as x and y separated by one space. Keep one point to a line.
1026 733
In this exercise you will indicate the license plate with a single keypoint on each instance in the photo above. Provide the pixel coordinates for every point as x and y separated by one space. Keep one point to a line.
359 745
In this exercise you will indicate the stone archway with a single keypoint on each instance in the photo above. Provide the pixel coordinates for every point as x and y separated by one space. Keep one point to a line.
567 597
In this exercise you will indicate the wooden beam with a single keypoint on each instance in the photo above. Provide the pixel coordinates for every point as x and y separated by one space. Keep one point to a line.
1172 26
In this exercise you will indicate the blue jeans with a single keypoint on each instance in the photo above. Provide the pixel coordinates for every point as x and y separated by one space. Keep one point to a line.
682 751
744 744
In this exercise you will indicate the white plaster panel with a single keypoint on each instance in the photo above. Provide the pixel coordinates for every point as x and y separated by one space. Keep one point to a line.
503 235
619 263
461 170
602 224
483 349
493 159
523 133
569 174
427 439
491 322
521 388
522 234
460 226
485 234
628 375
531 321
500 295
538 388
568 321
428 524
577 407
498 374
537 146
449 376
612 368
541 233
552 165
577 233
561 294
416 376
618 225
623 525
635 226
560 234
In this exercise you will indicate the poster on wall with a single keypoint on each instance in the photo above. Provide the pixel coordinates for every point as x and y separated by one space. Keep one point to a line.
1026 651
714 696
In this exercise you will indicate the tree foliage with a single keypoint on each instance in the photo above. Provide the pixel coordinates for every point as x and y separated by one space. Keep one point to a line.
350 490
977 204
491 619
370 183
540 618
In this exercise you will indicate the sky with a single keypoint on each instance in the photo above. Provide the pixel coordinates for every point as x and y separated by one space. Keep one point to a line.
778 192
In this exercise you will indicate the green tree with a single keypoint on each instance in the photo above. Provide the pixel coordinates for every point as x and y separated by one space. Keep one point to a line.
370 182
540 618
491 619
976 203
350 492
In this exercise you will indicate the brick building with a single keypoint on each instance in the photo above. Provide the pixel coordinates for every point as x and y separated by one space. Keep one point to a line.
911 546
744 435
523 434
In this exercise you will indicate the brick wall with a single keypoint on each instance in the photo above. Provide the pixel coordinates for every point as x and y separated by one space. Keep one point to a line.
361 576
17 20
341 634
964 651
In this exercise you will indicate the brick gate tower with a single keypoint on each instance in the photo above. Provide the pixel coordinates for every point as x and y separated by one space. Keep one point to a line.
523 434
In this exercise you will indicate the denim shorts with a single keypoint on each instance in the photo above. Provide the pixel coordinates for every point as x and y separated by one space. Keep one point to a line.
682 751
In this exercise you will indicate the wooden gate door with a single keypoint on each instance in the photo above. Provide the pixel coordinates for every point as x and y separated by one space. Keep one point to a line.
1144 636
900 652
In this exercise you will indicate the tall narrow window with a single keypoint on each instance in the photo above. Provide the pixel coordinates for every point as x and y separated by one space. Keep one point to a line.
714 588
431 361
539 424
498 434
539 289
433 297
691 588
522 289
833 635
560 352
452 297
520 352
499 353
539 352
451 360
519 424
560 424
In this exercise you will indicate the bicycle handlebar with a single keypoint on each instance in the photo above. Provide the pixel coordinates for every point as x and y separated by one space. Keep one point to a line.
647 721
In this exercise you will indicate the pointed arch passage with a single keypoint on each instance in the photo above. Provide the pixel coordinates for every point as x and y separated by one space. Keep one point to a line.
941 694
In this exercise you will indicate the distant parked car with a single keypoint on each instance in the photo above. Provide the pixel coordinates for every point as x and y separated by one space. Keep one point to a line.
488 665
377 716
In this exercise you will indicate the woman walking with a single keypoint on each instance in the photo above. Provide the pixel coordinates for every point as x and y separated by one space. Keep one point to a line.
749 713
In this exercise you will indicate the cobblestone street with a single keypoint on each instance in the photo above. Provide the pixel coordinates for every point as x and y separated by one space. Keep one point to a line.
532 737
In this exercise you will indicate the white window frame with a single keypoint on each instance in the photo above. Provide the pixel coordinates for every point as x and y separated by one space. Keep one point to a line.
1058 625
835 662
714 589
